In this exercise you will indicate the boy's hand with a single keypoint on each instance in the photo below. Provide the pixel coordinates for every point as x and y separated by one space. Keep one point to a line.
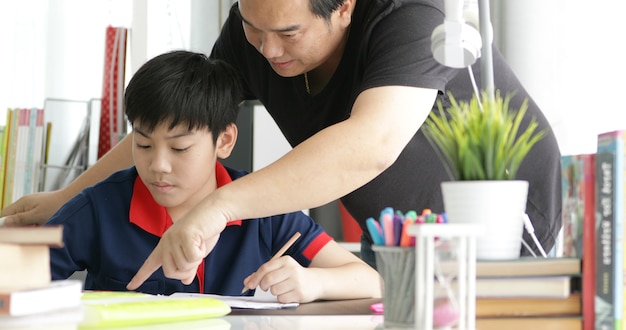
286 279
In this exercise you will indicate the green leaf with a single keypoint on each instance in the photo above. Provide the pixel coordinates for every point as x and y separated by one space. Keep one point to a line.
477 142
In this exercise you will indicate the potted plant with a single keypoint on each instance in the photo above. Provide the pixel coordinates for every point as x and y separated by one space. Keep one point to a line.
482 146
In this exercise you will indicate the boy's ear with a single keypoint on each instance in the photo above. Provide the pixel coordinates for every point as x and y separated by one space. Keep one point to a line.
226 142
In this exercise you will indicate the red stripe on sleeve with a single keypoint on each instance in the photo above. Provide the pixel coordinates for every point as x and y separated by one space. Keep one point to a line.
318 243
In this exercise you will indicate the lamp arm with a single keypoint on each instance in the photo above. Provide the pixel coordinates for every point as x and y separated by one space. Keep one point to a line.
486 58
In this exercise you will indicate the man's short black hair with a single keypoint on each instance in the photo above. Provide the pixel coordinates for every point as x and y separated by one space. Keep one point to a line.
325 8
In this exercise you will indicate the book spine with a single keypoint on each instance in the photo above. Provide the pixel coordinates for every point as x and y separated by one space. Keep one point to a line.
572 207
552 323
30 150
579 220
3 159
588 240
620 210
610 259
55 296
38 150
11 152
604 256
20 158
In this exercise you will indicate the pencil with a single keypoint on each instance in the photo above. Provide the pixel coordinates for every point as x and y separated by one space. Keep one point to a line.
281 252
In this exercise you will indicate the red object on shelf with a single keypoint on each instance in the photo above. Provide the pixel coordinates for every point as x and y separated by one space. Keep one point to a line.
112 119
351 230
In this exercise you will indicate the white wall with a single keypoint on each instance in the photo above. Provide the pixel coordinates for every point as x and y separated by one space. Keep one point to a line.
53 49
21 37
566 52
570 56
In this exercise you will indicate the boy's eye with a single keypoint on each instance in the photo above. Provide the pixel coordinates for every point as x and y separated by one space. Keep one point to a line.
142 146
180 149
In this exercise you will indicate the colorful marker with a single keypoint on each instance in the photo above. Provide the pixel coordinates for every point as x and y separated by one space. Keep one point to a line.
375 231
388 232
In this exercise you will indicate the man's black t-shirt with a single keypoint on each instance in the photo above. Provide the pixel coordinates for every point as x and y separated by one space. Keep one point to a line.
389 44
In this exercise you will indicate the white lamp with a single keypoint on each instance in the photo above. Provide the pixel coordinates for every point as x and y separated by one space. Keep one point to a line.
463 38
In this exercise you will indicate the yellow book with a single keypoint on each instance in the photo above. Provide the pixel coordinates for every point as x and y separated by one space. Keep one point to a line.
9 158
105 309
3 150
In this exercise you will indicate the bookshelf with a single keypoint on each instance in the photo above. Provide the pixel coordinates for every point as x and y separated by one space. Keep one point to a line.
71 143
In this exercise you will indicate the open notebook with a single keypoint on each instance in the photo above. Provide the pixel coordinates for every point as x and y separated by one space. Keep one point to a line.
261 300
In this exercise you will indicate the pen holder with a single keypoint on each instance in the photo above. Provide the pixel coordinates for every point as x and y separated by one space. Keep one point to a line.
396 266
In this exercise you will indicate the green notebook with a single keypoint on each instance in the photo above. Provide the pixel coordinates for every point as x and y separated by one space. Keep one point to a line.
105 309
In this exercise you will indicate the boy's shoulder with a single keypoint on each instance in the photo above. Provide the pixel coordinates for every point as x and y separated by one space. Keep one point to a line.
111 195
234 173
118 180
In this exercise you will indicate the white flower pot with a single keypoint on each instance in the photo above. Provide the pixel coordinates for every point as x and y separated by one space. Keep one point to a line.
498 205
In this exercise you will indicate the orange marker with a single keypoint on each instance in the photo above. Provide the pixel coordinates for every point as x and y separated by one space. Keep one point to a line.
405 239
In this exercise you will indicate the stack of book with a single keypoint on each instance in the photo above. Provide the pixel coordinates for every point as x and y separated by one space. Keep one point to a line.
578 236
593 192
28 297
21 153
529 293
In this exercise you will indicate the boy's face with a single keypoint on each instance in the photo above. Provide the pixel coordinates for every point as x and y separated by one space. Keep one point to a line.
291 37
178 165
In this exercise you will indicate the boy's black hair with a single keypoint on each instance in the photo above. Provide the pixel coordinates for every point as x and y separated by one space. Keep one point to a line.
182 87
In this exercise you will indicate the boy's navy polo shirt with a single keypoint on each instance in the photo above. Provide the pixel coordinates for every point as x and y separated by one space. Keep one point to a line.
100 238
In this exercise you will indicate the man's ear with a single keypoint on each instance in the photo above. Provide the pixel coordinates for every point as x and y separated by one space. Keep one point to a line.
345 13
226 141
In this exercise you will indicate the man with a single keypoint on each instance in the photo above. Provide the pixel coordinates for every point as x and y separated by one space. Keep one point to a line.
349 82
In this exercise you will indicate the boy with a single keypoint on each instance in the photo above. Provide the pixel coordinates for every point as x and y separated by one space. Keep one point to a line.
182 107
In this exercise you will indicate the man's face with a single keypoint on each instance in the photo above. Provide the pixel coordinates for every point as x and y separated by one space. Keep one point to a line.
290 36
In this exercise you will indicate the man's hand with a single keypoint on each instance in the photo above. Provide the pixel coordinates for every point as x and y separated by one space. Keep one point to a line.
33 209
180 251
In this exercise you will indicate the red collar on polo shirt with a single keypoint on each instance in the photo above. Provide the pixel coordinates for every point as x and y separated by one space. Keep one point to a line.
153 218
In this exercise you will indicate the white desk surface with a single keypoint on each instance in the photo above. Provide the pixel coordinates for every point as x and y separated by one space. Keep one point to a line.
347 314
352 314
343 314
233 322
297 322
271 322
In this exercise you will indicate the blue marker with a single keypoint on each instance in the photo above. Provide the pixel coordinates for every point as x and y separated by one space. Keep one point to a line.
375 231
